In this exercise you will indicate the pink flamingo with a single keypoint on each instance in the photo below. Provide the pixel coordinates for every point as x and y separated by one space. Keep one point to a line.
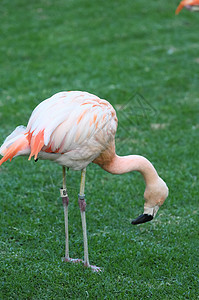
188 4
74 129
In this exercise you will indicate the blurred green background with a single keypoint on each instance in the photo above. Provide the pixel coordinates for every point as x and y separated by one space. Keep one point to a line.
145 61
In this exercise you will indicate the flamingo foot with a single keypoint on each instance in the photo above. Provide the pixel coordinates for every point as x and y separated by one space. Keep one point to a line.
73 260
96 269
77 260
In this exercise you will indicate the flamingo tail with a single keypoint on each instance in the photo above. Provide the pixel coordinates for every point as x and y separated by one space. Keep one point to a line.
15 144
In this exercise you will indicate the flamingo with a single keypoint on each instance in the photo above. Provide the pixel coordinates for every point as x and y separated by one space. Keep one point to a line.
188 4
73 129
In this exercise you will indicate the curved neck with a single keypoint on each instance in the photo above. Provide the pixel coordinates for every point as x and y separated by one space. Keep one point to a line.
125 164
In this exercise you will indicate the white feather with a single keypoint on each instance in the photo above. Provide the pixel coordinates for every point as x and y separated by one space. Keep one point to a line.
77 124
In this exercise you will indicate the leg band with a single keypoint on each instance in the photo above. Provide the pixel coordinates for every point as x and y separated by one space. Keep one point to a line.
64 195
82 202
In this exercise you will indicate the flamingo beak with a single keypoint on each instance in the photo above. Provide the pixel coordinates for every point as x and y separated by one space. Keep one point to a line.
142 219
148 215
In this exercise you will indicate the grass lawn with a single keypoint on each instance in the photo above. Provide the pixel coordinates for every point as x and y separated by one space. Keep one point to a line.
144 60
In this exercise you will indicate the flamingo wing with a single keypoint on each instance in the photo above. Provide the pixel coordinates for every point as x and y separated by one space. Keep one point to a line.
68 120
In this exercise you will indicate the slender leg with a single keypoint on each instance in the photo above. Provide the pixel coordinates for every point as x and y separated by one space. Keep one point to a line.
65 200
82 205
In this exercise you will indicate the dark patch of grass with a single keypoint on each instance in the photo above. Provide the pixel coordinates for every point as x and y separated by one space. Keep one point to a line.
137 55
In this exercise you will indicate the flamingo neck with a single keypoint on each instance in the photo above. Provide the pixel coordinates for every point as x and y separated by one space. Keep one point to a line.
125 164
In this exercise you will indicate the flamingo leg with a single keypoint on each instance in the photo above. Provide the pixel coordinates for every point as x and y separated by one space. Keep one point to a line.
82 205
65 200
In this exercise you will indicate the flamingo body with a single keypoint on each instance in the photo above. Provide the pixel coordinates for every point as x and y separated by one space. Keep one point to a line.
189 4
70 128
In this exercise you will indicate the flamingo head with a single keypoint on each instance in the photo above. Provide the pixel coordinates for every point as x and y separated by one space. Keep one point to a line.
155 194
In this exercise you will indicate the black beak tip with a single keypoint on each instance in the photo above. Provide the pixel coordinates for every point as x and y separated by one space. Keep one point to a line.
142 219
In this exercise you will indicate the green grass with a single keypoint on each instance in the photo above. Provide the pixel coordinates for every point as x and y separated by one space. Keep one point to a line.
136 54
